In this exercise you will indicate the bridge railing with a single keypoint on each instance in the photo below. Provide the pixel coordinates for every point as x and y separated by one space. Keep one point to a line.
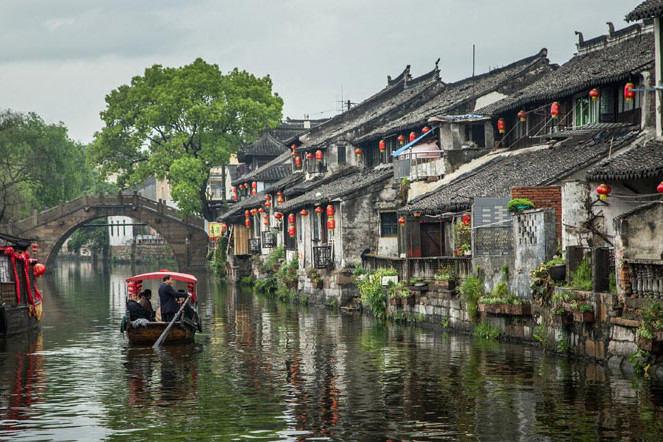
104 200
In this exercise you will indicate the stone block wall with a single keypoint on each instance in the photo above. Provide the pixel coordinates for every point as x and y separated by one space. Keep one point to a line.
535 242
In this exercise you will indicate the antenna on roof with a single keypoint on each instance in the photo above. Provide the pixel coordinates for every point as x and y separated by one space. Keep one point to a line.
474 62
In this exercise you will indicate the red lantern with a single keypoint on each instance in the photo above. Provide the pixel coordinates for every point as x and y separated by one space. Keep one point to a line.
425 129
260 210
280 199
293 147
401 139
291 218
318 210
266 220
554 110
629 93
594 94
522 116
278 215
659 188
309 156
253 212
246 214
298 161
254 185
234 189
247 222
331 224
268 197
224 228
330 210
235 197
293 154
268 204
254 192
303 213
401 221
501 125
466 219
383 146
603 190
292 230
358 152
413 136
318 156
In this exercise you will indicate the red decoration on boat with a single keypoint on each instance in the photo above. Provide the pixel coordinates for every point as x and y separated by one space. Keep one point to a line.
318 155
401 221
292 230
331 224
413 136
358 152
629 93
303 213
554 110
425 129
382 146
38 270
401 139
603 190
522 116
291 218
318 210
330 210
501 125
594 94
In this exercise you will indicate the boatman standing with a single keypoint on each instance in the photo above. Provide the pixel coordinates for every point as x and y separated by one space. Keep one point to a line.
168 299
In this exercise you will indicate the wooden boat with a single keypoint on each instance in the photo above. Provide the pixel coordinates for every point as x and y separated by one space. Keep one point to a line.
20 299
147 333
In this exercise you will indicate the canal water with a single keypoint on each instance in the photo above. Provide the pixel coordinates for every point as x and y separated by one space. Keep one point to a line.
265 370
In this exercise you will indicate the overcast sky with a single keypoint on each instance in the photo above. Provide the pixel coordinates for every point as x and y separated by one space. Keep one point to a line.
60 58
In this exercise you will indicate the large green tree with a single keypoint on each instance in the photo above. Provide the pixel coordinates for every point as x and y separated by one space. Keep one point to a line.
39 165
179 123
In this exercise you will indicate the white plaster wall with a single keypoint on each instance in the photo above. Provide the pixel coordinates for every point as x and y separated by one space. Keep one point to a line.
388 246
121 236
575 203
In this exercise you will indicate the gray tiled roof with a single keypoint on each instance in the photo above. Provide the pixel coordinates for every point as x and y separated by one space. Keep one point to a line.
530 168
355 181
646 9
266 146
616 62
462 94
641 161
276 169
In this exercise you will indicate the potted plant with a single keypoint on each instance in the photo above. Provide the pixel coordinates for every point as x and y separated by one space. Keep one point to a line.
583 312
517 205
557 269
445 280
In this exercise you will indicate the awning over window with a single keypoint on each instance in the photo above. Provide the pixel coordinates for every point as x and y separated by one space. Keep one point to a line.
412 143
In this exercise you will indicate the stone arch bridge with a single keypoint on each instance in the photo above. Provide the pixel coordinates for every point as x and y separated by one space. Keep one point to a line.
185 235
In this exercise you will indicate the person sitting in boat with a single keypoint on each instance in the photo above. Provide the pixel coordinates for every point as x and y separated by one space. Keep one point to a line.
144 300
168 299
137 311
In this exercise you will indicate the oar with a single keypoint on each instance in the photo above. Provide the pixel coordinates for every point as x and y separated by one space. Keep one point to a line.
170 325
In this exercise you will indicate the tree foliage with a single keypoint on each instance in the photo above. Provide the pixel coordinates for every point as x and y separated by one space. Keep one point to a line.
96 238
39 165
178 123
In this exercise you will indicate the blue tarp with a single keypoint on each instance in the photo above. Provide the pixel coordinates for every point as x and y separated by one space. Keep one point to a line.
412 143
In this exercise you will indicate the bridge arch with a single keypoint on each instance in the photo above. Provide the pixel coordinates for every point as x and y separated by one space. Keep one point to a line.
185 235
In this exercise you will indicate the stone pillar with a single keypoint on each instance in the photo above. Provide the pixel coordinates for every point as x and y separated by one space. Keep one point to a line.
600 269
489 134
534 236
574 255
647 120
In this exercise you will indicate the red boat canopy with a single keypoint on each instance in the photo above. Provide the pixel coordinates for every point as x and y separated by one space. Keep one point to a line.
184 277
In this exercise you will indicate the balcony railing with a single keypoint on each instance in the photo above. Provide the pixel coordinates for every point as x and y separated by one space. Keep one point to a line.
646 278
254 246
323 257
420 164
268 240
424 268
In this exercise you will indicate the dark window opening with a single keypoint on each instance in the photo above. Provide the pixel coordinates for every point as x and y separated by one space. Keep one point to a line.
388 224
340 151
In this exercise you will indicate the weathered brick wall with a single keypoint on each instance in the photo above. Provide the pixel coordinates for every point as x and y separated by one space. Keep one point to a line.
544 196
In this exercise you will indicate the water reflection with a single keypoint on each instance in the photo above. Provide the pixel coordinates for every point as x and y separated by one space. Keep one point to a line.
267 370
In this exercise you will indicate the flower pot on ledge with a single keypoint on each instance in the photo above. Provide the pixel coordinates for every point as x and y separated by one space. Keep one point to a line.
506 309
445 285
